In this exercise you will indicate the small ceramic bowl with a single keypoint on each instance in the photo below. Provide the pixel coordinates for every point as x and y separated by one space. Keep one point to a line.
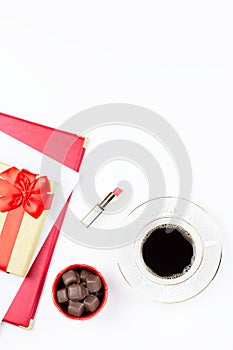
58 284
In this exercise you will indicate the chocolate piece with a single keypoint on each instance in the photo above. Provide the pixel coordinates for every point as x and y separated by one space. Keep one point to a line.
91 303
94 283
70 277
84 274
62 296
77 292
75 308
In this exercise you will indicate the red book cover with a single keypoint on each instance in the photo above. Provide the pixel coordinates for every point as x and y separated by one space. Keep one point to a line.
20 313
65 147
70 151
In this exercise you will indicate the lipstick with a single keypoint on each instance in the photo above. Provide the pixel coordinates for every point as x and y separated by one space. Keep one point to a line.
99 208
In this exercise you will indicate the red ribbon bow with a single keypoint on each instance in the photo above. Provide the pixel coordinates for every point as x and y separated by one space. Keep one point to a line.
24 188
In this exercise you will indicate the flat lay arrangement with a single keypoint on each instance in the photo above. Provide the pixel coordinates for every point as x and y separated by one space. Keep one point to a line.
174 255
115 175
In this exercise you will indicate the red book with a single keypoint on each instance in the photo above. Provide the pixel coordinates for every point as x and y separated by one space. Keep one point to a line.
20 313
69 149
62 146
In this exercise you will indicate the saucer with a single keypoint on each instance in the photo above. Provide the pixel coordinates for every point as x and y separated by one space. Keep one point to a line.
208 250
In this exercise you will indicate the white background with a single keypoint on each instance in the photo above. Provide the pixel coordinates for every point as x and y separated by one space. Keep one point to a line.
175 57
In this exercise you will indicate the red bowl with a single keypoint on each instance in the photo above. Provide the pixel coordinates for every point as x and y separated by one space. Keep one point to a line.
58 280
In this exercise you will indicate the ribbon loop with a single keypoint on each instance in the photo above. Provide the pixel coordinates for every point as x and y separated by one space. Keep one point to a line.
21 187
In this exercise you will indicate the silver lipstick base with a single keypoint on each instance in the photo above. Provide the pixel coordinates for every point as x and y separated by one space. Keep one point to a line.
92 215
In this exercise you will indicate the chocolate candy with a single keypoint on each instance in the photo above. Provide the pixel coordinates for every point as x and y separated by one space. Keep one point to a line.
84 274
77 292
62 296
91 303
75 308
93 283
70 277
80 292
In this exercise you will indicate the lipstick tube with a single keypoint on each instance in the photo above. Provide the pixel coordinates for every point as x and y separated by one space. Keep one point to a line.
99 208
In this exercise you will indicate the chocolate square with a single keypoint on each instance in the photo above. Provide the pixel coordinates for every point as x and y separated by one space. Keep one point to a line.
62 296
93 283
70 277
75 308
84 274
77 292
91 303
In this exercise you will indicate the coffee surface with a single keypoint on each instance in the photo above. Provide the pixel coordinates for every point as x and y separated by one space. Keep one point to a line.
168 251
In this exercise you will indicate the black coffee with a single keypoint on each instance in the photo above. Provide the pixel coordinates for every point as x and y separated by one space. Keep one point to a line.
168 251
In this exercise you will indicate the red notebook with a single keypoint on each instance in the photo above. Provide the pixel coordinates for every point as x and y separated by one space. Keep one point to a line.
70 151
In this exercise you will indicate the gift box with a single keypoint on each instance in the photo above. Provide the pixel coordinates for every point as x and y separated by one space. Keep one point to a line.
25 199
